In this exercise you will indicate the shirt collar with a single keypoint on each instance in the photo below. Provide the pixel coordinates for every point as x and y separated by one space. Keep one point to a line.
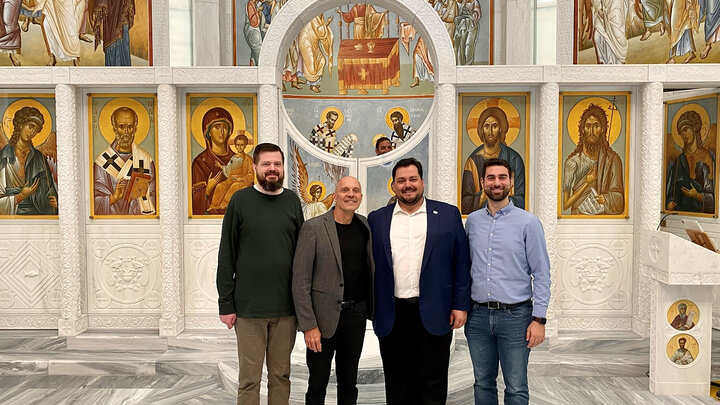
422 209
263 191
504 211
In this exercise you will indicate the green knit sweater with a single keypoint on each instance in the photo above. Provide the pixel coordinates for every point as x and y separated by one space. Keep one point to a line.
257 246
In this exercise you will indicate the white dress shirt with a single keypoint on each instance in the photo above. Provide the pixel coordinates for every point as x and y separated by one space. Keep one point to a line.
407 244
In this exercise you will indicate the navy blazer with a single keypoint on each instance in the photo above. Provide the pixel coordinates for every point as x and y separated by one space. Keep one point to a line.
445 272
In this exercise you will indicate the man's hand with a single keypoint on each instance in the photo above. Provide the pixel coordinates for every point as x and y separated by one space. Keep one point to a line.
119 191
212 183
457 318
535 334
591 176
312 339
600 199
228 320
691 193
52 200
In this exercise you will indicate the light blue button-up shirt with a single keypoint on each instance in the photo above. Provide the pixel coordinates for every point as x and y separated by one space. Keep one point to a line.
510 263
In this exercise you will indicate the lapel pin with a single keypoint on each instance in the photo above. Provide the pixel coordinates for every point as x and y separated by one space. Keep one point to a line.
435 212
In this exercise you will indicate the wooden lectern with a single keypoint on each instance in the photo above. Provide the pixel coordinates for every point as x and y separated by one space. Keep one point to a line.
681 323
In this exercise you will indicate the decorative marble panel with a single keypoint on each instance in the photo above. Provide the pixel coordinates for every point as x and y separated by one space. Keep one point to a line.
124 279
200 272
30 294
595 275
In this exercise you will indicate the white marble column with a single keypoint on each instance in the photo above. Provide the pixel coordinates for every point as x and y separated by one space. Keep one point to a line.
269 114
520 32
71 213
565 35
444 146
206 32
546 163
226 32
647 196
161 33
170 169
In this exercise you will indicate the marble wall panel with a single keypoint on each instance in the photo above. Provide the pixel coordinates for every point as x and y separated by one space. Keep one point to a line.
594 282
30 294
201 308
123 279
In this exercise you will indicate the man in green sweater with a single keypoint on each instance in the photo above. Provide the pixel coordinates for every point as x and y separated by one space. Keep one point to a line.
254 275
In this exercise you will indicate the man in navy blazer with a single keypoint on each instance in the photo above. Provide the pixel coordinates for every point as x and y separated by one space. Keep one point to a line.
422 288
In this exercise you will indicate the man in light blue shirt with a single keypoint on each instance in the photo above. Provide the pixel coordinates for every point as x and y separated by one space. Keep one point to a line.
510 288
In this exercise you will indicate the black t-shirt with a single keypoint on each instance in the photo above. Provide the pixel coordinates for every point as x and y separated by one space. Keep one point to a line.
353 247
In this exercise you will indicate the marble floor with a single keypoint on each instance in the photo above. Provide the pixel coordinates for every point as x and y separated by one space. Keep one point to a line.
37 367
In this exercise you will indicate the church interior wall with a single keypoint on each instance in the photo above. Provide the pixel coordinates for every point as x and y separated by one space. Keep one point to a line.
54 274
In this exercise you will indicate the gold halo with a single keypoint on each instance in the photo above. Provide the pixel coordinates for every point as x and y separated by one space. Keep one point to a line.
105 122
7 120
250 145
206 105
340 119
691 345
581 106
513 117
324 190
389 186
689 107
376 137
404 112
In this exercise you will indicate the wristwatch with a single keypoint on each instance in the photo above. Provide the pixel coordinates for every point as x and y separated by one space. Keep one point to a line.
541 321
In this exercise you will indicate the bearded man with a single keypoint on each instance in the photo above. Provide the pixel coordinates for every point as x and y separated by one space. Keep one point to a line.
259 233
124 164
593 170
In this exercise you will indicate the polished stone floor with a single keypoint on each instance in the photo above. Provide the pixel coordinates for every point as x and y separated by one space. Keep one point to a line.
37 367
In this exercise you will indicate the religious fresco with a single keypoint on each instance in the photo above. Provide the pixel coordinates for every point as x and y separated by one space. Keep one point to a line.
123 152
221 130
594 154
690 154
363 30
682 349
349 128
28 156
90 33
683 315
378 192
312 179
646 31
492 125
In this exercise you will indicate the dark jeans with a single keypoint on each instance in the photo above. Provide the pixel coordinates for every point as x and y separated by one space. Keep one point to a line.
346 344
499 335
415 362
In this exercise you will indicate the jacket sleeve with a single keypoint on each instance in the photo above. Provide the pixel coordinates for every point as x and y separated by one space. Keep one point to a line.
303 266
227 258
461 266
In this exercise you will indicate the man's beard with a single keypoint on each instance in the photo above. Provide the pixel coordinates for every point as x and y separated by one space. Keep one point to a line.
418 197
399 130
503 195
271 186
593 148
124 141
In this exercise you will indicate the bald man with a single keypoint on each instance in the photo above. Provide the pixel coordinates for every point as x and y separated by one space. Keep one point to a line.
121 165
333 274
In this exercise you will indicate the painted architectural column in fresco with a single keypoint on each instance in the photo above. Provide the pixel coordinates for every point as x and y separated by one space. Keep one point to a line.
443 175
206 40
160 33
73 316
170 170
565 35
268 114
519 44
546 163
648 196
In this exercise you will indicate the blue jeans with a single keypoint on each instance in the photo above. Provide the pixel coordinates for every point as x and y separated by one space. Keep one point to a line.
492 335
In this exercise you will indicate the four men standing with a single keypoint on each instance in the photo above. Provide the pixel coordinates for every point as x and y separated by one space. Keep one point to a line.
408 267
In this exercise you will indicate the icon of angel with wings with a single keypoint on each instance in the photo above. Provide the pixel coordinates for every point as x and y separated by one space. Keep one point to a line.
313 196
28 164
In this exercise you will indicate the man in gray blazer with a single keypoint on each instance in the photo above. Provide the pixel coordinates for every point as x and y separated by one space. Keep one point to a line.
332 286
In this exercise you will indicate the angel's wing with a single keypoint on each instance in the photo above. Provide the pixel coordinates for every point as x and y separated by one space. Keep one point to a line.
3 138
328 201
300 176
672 150
49 147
